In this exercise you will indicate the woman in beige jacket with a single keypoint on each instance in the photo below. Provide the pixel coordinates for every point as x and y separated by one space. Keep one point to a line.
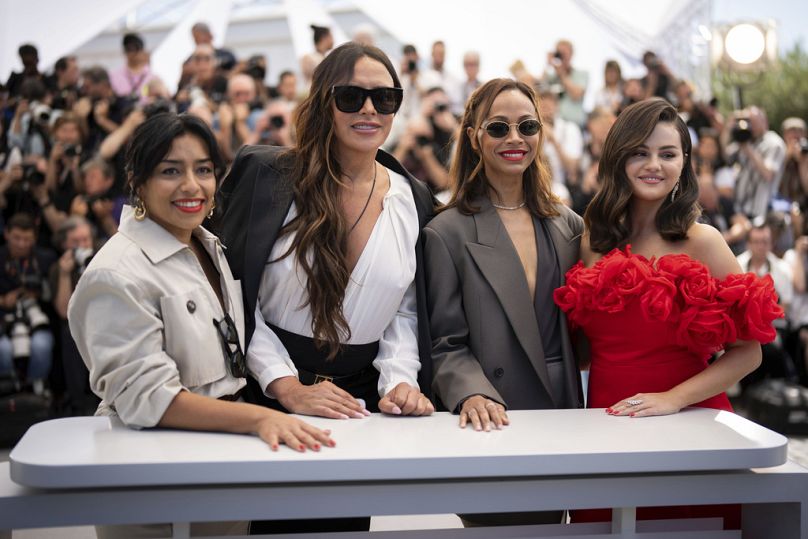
157 316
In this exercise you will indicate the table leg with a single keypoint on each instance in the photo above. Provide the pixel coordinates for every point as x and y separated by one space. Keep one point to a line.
624 521
182 530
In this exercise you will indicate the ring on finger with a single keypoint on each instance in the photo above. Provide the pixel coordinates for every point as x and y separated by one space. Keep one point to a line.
634 402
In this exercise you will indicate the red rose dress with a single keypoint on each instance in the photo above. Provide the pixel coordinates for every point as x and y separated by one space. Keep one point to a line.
652 324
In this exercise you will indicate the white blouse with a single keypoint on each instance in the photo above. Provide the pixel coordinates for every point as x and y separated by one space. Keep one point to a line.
142 317
379 303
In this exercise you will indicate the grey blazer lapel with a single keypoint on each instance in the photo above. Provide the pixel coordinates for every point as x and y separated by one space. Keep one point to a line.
499 264
562 238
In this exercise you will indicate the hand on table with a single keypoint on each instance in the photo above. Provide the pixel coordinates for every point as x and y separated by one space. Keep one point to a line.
323 399
405 399
483 413
276 427
647 404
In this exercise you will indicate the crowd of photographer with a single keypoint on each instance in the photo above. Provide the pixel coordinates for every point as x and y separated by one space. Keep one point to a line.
63 136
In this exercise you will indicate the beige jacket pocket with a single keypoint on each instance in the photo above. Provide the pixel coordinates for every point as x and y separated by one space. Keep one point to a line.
191 339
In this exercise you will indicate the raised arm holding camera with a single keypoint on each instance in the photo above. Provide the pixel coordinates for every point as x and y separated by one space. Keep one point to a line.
760 154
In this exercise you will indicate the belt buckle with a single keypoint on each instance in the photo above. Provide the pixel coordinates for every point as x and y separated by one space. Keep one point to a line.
318 378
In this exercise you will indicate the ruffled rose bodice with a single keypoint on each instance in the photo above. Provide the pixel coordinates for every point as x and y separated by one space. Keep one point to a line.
653 324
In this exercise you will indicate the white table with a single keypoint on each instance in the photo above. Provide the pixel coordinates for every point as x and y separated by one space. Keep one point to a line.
80 471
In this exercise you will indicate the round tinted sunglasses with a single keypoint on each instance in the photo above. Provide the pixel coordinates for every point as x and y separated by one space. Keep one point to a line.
500 129
352 98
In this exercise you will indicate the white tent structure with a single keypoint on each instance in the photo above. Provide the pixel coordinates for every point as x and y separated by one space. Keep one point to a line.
502 31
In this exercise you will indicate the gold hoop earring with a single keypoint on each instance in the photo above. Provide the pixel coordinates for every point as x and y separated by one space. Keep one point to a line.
212 207
140 209
675 190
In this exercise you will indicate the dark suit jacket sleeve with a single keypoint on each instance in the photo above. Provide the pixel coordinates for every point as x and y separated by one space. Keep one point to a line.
457 373
234 203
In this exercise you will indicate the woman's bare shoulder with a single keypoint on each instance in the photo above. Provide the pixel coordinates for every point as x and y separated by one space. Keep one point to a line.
706 244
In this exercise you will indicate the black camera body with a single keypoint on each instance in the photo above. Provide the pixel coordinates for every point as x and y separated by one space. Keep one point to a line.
423 140
31 175
72 150
741 131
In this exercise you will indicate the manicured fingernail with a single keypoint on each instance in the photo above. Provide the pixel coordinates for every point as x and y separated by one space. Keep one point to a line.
631 414
359 415
396 410
302 447
343 416
366 412
608 410
316 447
274 447
331 443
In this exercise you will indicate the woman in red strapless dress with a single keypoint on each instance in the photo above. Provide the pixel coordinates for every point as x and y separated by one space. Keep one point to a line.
657 294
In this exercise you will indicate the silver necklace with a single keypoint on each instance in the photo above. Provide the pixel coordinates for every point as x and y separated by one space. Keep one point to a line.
501 207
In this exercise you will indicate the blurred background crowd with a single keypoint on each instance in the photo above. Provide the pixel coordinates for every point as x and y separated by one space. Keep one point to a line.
63 132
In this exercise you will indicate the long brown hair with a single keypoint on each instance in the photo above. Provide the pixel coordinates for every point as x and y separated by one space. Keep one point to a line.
467 172
320 231
607 217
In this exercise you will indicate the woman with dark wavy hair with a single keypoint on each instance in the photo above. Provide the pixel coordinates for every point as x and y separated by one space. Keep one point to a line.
657 294
324 237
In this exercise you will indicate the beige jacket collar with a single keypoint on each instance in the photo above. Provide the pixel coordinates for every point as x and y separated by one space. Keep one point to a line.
156 242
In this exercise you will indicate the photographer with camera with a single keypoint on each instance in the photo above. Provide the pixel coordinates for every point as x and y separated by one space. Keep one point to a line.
62 178
30 126
794 186
75 238
568 83
99 110
274 126
759 155
64 84
658 80
236 118
96 200
409 75
563 144
425 146
23 291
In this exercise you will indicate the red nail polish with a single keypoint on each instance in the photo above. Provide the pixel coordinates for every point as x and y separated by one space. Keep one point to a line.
631 414
302 447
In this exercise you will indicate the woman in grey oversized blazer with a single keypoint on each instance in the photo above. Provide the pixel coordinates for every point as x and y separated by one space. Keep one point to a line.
493 258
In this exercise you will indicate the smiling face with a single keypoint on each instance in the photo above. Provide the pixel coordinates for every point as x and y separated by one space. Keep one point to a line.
654 168
366 130
179 193
507 158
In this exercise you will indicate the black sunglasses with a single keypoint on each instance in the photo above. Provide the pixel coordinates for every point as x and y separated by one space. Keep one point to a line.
500 129
236 363
352 98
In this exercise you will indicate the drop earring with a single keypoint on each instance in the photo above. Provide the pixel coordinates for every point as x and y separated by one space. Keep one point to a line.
140 209
675 190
